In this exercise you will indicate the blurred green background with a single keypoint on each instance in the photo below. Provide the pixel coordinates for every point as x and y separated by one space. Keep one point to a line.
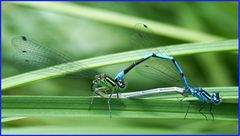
80 38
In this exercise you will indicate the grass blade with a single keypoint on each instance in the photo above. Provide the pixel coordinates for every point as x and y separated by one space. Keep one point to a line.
6 119
28 106
122 20
176 50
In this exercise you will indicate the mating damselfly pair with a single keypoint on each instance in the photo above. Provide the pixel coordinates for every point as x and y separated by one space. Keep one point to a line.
165 67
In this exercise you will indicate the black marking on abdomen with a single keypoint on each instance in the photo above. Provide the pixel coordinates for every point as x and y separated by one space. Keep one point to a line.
133 65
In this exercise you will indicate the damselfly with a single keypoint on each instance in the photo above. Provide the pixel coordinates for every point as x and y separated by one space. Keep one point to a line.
167 91
164 69
33 55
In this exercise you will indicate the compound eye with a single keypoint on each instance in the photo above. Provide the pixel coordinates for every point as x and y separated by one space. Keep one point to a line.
214 98
216 95
217 101
121 84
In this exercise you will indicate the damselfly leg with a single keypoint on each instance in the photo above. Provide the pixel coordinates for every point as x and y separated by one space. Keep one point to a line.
202 106
210 110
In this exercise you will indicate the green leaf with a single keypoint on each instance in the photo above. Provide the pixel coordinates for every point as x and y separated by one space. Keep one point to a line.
122 20
77 66
28 106
106 125
6 119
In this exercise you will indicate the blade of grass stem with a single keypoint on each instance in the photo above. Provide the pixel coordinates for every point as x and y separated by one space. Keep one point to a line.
175 50
123 20
27 106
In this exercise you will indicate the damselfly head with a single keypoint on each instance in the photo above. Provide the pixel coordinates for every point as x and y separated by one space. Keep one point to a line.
216 98
122 84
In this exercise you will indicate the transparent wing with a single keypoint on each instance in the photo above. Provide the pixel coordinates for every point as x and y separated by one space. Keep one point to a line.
165 75
30 55
163 71
143 38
